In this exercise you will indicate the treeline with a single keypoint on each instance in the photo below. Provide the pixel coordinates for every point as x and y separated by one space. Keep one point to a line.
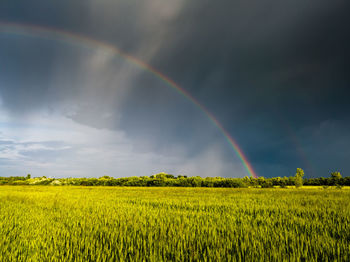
163 179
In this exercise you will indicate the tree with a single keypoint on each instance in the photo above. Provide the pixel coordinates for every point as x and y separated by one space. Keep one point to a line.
106 177
299 177
336 175
28 176
335 178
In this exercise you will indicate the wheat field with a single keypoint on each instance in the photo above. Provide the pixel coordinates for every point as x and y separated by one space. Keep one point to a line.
48 223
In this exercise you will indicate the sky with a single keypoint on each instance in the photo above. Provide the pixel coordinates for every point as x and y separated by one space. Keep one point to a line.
274 74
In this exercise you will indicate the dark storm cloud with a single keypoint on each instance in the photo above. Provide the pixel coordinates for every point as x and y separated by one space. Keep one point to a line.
271 53
267 69
25 84
273 72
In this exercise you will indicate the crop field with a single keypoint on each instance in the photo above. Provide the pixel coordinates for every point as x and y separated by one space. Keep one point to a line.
48 223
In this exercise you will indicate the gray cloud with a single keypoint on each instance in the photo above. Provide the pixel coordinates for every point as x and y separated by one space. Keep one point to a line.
271 72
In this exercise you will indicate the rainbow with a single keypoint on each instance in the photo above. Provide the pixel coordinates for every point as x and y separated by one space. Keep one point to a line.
65 36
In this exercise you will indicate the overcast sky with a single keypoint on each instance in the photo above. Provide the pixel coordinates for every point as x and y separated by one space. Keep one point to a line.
274 73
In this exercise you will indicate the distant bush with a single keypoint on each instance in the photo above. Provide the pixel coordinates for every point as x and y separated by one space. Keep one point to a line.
168 180
267 184
19 182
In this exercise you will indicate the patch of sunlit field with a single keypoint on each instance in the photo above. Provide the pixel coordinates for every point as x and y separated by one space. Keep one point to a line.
48 223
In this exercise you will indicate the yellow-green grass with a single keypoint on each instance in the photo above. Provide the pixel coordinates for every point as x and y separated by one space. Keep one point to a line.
48 223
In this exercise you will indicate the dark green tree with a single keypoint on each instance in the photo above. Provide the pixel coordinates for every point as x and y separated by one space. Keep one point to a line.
299 178
335 178
336 175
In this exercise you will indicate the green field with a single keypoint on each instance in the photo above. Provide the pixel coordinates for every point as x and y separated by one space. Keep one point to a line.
48 223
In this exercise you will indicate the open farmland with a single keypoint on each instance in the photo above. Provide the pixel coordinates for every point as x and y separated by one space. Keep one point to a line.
49 223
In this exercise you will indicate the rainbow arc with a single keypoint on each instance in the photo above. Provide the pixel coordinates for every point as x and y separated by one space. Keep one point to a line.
73 38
